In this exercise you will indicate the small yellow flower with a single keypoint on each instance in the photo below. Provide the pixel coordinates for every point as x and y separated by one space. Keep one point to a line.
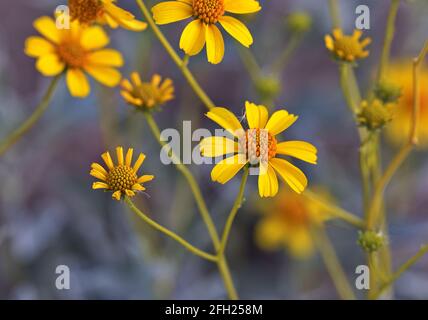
77 50
287 223
401 74
375 115
347 48
147 95
121 179
258 147
104 12
203 29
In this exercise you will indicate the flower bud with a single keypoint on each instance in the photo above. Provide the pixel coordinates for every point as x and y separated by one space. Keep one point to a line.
371 241
375 115
388 92
299 22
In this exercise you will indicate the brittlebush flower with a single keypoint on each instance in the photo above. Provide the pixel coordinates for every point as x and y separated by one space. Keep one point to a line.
401 74
147 95
287 223
104 12
78 51
258 147
347 48
120 178
203 29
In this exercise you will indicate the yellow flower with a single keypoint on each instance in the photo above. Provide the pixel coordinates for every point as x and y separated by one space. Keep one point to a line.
347 48
258 147
121 179
401 74
147 95
287 223
104 12
206 14
77 50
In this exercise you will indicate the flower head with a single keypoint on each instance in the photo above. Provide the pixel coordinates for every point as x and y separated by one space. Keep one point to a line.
375 115
203 29
347 48
287 223
258 147
122 178
147 95
77 50
103 12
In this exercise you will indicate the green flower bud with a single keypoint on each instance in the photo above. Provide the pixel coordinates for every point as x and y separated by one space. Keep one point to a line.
376 115
299 22
370 241
268 86
388 92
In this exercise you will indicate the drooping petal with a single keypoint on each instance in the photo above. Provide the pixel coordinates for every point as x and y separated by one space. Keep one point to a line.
242 6
227 168
94 38
128 160
268 183
46 26
77 83
50 65
171 11
225 119
280 121
117 195
107 76
257 116
298 149
38 46
237 29
292 175
217 146
107 159
130 193
215 44
106 57
192 40
139 162
99 185
133 25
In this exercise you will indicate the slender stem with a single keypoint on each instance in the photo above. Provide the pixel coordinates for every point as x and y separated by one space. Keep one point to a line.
282 61
332 264
334 210
334 12
250 63
18 133
182 65
169 233
234 211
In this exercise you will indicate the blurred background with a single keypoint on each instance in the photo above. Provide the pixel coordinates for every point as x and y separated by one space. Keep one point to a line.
49 215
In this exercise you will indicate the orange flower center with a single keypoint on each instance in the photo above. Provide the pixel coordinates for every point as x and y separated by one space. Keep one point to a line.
258 145
72 53
86 11
121 178
208 11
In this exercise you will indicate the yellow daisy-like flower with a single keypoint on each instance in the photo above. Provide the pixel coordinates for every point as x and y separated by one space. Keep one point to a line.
121 179
104 12
77 50
258 147
347 48
287 223
401 74
203 29
147 95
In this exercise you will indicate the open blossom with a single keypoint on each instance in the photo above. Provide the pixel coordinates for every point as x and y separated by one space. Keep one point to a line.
78 51
258 147
203 30
347 48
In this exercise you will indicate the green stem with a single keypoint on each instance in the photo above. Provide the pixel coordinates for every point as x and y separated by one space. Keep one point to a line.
334 12
10 140
170 234
234 211
279 65
182 65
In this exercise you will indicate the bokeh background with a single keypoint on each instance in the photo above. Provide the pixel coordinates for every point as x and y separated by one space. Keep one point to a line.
49 215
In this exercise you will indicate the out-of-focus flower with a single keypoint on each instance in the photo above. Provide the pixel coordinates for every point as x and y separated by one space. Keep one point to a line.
268 86
347 48
203 29
77 50
258 147
287 222
299 22
401 74
104 12
147 95
375 115
121 179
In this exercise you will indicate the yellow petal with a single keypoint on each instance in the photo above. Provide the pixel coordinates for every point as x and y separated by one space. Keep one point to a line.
171 11
135 77
298 149
215 44
268 183
138 187
300 242
145 178
237 29
99 185
329 43
119 154
50 65
107 159
257 116
46 26
97 174
117 195
227 168
99 168
132 25
125 84
270 233
116 11
217 146
128 160
77 83
192 40
241 6
37 46
139 162
94 38
105 75
106 57
130 193
292 175
226 120
280 121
